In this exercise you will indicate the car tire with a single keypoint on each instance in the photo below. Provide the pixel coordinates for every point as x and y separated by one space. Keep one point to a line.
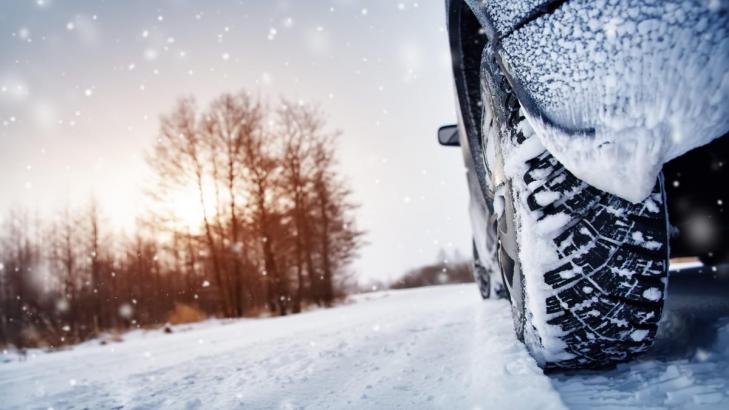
586 271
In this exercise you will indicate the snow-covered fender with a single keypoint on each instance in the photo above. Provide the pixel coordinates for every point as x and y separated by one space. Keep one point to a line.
500 17
615 88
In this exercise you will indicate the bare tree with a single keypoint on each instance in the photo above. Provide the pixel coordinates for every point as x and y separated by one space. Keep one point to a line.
178 158
276 230
299 126
95 264
65 258
338 236
230 123
262 170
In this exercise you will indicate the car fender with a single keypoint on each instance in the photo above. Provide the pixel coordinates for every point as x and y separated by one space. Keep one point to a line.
615 89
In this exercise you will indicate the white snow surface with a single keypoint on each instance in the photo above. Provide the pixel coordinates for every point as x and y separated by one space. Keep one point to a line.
439 347
505 15
651 78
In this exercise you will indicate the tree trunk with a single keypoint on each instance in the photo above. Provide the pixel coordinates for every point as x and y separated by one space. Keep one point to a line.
213 251
327 285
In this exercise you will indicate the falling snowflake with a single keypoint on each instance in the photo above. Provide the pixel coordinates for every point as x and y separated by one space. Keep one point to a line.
126 311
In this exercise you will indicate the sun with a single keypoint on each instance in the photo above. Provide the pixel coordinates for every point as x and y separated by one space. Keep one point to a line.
186 210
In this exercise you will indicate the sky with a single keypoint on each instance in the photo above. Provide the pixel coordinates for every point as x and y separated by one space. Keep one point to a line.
83 83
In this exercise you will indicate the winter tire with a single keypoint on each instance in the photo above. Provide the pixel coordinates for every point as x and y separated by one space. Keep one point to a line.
586 270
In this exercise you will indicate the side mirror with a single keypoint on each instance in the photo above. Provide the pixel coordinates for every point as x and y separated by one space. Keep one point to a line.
448 136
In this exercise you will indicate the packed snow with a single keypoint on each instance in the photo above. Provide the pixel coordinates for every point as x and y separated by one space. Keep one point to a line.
439 347
625 86
537 253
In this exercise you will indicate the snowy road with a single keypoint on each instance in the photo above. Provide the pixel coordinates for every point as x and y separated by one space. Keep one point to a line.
439 347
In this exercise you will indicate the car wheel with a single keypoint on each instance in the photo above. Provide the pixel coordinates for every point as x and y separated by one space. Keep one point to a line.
586 271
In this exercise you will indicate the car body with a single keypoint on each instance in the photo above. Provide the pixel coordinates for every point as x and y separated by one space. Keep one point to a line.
694 179
620 93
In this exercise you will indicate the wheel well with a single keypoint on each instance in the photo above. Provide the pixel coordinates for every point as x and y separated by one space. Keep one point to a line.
698 196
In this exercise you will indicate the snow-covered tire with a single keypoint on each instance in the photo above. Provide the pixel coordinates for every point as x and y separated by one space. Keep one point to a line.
587 270
598 300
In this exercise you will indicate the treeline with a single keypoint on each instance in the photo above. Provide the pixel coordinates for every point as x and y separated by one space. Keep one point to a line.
447 270
250 216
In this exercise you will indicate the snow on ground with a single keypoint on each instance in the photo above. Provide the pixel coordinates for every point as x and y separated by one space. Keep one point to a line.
676 374
439 347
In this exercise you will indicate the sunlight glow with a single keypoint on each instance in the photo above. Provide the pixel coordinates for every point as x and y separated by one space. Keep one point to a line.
185 211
